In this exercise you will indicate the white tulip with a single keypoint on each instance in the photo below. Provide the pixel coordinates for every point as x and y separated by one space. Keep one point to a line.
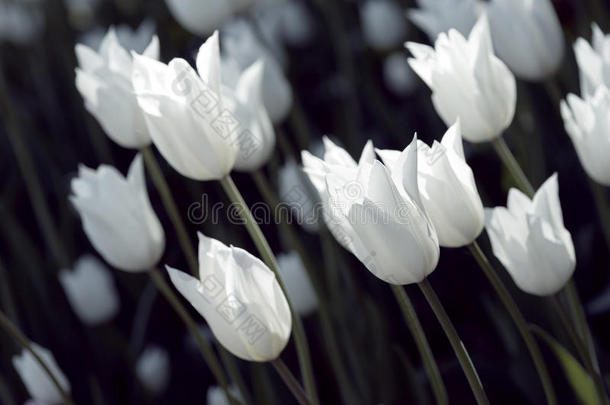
217 396
298 285
593 61
91 290
468 82
534 26
240 298
298 194
104 81
153 369
19 24
35 378
436 16
380 219
118 217
397 74
447 188
200 16
136 40
384 25
296 23
530 240
588 124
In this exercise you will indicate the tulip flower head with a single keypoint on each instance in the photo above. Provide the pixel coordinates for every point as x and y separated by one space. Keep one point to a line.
530 240
593 61
200 17
118 217
91 290
468 82
397 74
298 285
36 380
240 298
153 369
383 24
587 122
103 79
436 16
447 188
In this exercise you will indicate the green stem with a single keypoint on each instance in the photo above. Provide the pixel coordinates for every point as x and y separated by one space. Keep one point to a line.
291 382
436 380
268 257
170 206
518 319
13 331
456 343
512 165
228 360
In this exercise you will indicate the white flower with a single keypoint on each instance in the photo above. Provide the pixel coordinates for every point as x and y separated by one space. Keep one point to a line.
588 124
91 290
298 285
136 40
447 188
296 23
20 24
397 74
530 240
468 82
200 16
36 380
593 61
436 16
240 298
383 225
384 25
527 36
298 193
104 81
153 369
118 217
217 396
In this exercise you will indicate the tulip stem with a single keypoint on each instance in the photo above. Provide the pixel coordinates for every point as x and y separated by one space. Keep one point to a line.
291 382
13 331
456 342
268 257
518 319
170 206
436 380
512 165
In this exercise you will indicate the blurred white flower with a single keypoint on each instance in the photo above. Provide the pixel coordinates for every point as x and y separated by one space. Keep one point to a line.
104 81
298 193
593 61
397 74
136 39
153 369
297 282
20 23
200 16
36 380
81 13
216 395
297 25
240 298
447 188
436 16
384 25
468 82
530 240
118 217
91 290
587 121
527 36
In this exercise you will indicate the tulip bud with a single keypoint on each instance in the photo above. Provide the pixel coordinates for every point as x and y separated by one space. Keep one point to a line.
468 82
383 24
240 298
104 80
36 380
530 240
535 27
448 191
588 124
90 290
298 285
118 217
593 61
200 16
436 16
153 369
298 193
217 396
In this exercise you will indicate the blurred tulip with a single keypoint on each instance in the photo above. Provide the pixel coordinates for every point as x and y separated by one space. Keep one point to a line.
447 188
436 16
240 298
587 121
530 240
20 24
298 285
534 26
200 16
36 380
296 23
136 40
91 290
153 369
397 74
593 61
118 217
380 219
104 81
384 25
217 396
468 82
299 195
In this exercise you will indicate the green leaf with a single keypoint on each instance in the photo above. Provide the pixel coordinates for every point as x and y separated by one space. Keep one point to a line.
579 379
